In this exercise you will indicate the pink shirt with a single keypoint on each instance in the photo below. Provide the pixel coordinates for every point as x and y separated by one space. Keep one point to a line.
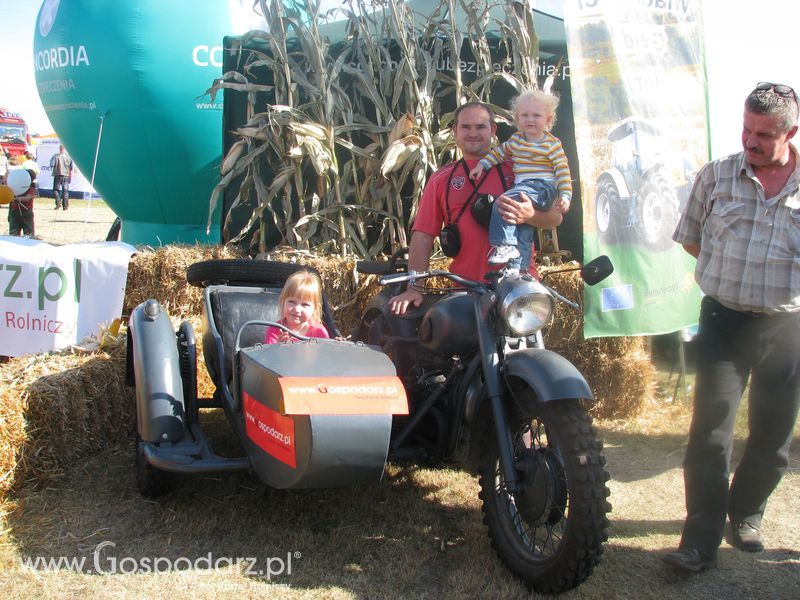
471 261
314 330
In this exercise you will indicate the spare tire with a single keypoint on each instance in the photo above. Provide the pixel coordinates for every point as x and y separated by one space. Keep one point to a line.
241 271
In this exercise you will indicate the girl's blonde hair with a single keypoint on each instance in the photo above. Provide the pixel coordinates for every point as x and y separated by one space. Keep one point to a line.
305 286
549 100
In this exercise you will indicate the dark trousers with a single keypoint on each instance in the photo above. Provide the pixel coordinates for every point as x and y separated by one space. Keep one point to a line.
61 190
20 220
731 346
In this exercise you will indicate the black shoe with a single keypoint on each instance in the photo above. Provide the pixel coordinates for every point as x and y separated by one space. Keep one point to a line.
58 206
689 559
746 536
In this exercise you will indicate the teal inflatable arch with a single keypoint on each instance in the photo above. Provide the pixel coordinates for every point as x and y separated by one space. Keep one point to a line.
123 85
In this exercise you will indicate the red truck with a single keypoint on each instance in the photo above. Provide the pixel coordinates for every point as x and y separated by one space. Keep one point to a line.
14 136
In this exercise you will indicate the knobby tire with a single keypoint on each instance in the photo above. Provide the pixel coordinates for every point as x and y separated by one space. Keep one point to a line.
555 540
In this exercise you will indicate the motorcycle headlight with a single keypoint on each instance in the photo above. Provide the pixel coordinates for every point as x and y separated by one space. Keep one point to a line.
524 305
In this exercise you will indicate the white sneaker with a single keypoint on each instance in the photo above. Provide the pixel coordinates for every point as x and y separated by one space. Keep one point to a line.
500 255
510 272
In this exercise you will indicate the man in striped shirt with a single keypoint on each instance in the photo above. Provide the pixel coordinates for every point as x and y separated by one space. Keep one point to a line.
541 172
742 223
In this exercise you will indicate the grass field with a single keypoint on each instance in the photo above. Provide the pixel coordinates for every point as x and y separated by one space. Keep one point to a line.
85 221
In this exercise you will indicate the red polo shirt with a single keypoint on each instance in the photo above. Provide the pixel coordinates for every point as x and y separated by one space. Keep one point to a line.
431 216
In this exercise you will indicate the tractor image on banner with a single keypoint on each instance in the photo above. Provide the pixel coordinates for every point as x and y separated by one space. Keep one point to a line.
635 198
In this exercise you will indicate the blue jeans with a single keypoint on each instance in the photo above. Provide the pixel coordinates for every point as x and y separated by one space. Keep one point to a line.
61 190
542 194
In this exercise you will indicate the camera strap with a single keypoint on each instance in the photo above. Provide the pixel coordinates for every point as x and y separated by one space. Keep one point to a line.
475 187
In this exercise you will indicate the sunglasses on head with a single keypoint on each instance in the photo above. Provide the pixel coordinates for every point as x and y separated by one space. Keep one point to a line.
778 88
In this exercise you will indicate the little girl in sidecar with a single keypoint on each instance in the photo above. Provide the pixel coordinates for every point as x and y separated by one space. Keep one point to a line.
300 302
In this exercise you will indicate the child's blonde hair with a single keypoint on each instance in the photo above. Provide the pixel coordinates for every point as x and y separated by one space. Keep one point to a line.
549 100
305 286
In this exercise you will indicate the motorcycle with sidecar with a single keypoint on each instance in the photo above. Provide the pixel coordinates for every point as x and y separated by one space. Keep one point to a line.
464 377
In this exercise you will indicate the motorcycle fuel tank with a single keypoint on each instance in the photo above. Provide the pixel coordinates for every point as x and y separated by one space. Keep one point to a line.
449 327
318 413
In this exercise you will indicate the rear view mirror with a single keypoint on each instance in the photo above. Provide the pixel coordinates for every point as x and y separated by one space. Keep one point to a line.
595 271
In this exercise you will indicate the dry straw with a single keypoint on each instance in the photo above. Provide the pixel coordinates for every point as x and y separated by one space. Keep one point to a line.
618 369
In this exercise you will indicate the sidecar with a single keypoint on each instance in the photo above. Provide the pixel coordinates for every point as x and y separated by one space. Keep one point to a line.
313 413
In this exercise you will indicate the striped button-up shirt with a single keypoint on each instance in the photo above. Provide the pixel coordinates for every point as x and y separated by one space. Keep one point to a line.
749 245
544 159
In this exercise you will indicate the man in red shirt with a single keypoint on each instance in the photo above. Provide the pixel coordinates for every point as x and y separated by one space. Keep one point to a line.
445 195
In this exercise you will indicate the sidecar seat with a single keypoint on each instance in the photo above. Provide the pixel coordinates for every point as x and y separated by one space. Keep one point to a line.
225 309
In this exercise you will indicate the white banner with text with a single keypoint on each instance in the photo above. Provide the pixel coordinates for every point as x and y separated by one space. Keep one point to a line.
52 297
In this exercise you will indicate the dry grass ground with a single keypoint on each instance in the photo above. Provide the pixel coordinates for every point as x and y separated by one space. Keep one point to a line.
417 534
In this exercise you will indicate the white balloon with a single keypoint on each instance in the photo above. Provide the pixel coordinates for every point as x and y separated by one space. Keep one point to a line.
19 180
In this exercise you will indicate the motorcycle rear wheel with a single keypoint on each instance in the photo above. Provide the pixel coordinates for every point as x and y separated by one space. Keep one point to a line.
551 532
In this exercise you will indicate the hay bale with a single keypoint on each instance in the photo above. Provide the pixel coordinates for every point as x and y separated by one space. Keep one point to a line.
161 274
618 369
58 408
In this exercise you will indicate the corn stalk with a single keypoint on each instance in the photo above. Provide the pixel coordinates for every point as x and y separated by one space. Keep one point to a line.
337 157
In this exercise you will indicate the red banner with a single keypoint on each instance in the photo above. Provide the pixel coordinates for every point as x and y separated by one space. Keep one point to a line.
273 432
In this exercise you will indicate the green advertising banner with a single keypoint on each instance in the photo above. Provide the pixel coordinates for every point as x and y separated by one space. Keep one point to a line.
639 102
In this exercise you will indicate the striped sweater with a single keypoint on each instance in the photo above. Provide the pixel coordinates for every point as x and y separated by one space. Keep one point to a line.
544 159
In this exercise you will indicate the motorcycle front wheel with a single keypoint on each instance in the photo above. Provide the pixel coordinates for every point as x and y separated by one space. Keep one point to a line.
550 532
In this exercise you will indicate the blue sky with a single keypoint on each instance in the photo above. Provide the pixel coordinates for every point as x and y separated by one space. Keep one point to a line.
18 92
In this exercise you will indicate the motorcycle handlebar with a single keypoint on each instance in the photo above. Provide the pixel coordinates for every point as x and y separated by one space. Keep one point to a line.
560 298
412 277
467 283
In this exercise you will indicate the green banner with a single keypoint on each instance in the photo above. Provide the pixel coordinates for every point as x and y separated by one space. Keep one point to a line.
639 101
